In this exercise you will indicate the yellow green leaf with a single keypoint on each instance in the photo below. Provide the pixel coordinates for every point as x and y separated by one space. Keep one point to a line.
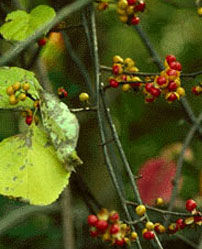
20 25
30 169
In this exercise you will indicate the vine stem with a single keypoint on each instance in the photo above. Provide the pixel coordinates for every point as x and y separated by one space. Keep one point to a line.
158 210
61 15
99 91
100 120
186 143
78 62
68 232
182 75
20 214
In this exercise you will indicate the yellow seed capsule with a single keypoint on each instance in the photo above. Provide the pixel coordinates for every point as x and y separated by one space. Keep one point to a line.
130 10
144 230
123 4
189 220
127 240
117 59
126 87
83 97
26 86
123 18
121 12
149 225
135 78
16 86
132 69
13 100
140 210
199 11
129 62
180 91
36 104
22 97
133 235
159 201
10 90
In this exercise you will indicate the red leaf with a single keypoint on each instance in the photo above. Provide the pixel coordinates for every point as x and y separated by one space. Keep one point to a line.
157 180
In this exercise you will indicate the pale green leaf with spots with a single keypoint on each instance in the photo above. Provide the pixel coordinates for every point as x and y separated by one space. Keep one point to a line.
62 127
30 169
9 76
20 25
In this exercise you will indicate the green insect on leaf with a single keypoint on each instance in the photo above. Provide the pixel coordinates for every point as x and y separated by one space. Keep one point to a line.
62 127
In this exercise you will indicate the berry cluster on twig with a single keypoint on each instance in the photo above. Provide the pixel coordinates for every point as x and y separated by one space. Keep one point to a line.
108 226
166 83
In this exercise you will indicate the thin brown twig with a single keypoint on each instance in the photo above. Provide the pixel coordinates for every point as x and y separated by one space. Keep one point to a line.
158 210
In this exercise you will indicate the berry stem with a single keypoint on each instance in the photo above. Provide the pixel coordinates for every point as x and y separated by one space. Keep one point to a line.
30 96
158 210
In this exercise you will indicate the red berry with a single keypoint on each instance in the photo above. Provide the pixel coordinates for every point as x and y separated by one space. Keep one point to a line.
170 58
134 85
114 217
113 83
102 225
196 90
124 77
42 42
120 242
198 217
148 235
148 86
172 97
180 223
172 86
173 228
62 93
150 100
140 7
176 65
29 120
116 69
155 91
131 2
94 233
172 72
135 20
190 205
92 220
161 80
114 229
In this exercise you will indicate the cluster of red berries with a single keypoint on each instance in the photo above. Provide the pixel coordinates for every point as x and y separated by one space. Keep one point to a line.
107 225
120 66
17 92
197 90
128 9
62 93
167 83
102 5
